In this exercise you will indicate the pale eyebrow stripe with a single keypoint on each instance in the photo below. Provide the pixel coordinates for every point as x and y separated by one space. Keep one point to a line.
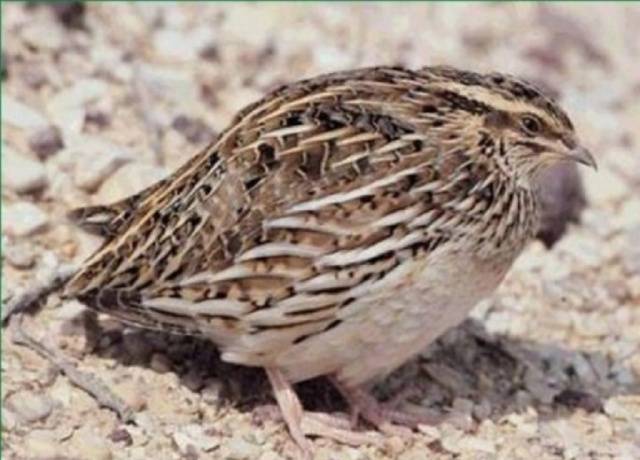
493 99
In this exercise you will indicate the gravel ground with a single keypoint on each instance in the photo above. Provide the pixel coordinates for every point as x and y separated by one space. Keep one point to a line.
101 100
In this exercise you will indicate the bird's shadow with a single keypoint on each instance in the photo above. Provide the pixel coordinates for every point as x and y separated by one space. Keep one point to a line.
500 374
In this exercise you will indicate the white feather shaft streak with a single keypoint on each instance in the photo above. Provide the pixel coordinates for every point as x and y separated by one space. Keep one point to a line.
325 281
369 189
354 256
233 272
300 303
206 307
295 105
398 217
424 219
391 146
280 249
299 129
306 100
388 107
357 138
327 136
306 223
350 159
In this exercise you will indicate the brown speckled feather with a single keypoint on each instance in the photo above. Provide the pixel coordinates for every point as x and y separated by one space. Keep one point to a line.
337 227
322 188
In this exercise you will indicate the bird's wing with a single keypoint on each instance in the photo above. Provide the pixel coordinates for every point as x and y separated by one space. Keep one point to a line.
311 194
111 219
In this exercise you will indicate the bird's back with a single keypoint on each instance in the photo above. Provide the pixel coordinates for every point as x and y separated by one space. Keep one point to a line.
321 187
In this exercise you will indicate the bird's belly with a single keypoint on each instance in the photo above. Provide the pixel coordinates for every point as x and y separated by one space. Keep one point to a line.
396 319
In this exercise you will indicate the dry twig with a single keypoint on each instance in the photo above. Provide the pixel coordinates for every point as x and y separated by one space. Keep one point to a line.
83 380
38 292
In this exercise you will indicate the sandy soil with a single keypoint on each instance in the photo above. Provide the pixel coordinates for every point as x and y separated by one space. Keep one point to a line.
97 103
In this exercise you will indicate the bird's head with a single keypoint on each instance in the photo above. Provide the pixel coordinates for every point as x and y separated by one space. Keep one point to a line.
511 122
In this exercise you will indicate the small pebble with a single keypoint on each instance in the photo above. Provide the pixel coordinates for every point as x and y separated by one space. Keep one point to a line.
9 421
70 14
394 445
20 256
241 449
194 130
79 94
23 219
179 45
46 141
121 435
41 443
69 105
168 82
20 173
193 380
210 53
195 436
97 118
476 445
29 407
34 76
616 408
95 161
182 442
45 36
160 363
89 445
132 392
211 392
20 115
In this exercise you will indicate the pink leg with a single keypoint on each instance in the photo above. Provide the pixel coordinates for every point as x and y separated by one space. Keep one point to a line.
291 409
302 423
383 417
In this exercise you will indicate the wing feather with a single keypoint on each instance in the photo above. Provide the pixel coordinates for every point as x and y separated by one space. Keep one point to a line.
315 175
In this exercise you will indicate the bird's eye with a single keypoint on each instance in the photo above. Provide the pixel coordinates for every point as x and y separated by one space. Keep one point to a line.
531 124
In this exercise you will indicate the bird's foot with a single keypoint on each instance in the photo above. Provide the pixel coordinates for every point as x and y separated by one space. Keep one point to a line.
302 424
385 416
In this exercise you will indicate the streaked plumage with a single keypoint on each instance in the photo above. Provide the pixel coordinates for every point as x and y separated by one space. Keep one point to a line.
338 225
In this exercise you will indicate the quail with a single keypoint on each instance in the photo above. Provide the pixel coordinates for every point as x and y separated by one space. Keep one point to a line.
336 227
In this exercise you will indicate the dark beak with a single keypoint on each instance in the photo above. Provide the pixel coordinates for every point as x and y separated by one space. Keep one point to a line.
582 155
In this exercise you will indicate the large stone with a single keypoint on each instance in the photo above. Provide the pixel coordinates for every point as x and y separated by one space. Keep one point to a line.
41 443
241 449
68 107
93 160
23 219
562 199
43 35
88 444
20 173
44 142
79 94
20 256
20 115
29 407
166 82
181 45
